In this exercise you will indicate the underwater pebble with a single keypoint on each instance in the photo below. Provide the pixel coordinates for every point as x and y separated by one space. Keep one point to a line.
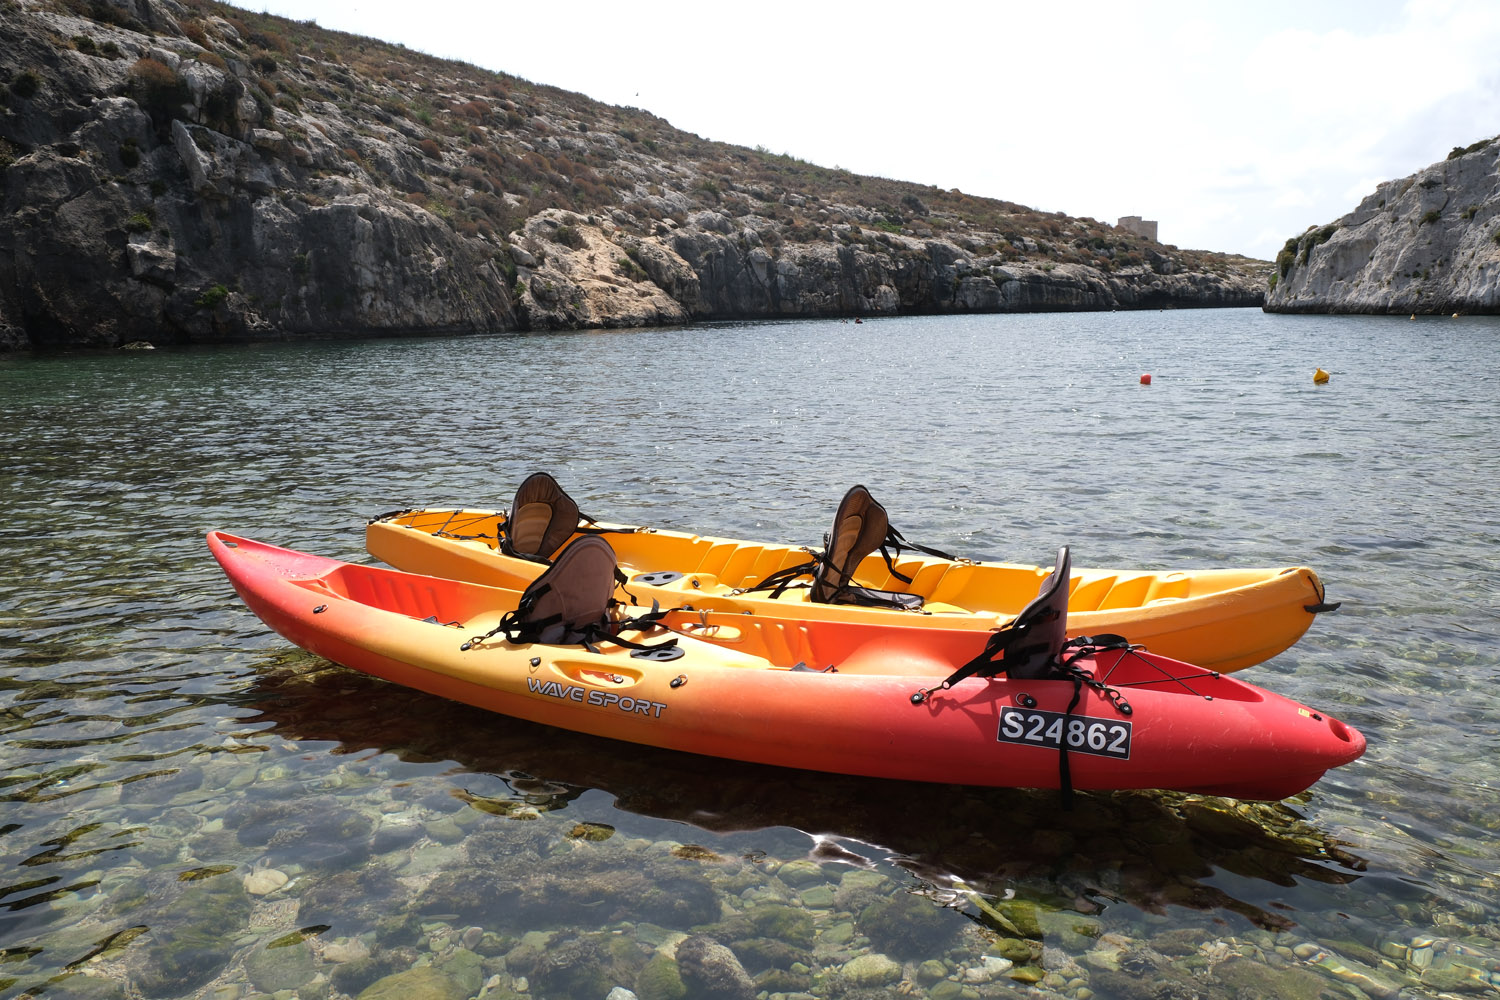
799 873
931 971
842 933
1364 983
345 950
990 967
870 970
266 880
819 897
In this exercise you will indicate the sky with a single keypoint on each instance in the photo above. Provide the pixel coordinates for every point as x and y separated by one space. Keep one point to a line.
1235 125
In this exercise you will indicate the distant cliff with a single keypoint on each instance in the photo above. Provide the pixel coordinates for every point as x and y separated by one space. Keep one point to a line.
189 172
1429 243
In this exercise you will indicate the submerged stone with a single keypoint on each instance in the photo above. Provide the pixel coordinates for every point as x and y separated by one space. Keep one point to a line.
465 968
280 966
713 972
931 971
660 980
800 873
908 926
871 969
1244 977
693 852
422 983
784 923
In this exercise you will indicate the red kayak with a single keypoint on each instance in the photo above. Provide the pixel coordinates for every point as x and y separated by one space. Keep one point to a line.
888 701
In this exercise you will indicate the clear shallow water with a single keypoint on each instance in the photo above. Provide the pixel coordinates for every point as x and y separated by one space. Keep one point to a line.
161 751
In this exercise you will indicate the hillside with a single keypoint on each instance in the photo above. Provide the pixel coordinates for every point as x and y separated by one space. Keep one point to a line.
1428 243
189 172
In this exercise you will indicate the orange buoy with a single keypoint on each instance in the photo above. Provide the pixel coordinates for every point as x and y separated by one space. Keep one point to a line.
1320 376
1145 380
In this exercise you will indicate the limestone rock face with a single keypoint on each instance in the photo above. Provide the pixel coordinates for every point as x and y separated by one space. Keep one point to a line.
706 274
168 176
1428 243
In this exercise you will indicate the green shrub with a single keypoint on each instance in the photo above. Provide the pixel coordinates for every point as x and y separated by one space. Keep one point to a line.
140 222
568 236
506 263
25 85
1432 215
129 154
85 44
211 298
1472 148
627 268
110 50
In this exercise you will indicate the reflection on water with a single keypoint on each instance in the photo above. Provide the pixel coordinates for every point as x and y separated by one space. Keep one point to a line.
193 808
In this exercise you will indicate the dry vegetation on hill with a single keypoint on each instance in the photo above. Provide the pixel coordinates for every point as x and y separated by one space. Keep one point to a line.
506 165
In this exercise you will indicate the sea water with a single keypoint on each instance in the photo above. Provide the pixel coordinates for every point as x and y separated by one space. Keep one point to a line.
190 806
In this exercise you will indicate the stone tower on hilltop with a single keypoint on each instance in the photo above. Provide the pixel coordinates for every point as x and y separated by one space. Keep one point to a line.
1145 228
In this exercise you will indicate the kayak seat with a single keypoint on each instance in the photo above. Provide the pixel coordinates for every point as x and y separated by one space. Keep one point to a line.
1044 625
1030 647
570 601
542 517
860 526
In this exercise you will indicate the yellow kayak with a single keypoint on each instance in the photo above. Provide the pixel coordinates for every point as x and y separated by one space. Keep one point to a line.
1220 619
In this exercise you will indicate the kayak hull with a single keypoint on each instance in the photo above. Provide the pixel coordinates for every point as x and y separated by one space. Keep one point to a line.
1224 619
734 694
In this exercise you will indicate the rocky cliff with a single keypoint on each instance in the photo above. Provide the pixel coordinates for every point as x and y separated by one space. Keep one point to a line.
1428 243
189 171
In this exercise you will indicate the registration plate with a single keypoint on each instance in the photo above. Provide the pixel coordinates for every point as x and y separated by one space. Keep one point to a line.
1079 733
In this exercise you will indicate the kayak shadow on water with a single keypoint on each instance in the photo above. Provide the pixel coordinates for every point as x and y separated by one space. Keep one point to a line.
1150 850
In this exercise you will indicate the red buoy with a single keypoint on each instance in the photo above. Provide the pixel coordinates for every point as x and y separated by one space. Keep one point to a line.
1145 380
